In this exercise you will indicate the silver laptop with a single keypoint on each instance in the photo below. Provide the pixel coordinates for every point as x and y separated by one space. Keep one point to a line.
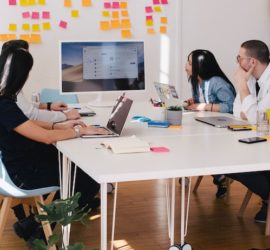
220 121
117 118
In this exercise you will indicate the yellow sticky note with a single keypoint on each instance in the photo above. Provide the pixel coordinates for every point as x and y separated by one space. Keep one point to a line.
104 25
74 13
42 2
35 38
12 27
123 5
25 37
115 24
25 26
115 14
125 23
126 34
150 31
124 13
157 9
23 3
164 20
32 2
67 3
163 29
35 27
149 22
175 126
46 25
86 3
106 13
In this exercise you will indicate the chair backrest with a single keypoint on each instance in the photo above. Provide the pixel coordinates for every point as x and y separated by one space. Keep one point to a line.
53 95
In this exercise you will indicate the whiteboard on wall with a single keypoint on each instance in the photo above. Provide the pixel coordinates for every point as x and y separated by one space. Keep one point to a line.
161 50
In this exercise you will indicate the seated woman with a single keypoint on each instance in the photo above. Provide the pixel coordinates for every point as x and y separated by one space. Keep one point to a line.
211 91
26 146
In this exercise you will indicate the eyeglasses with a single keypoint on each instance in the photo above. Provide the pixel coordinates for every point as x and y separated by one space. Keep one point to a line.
239 58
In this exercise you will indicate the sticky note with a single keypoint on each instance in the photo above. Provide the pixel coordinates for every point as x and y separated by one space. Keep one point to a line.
149 18
35 27
124 13
151 31
25 37
46 25
23 2
67 3
35 15
35 38
86 3
164 20
156 1
149 22
157 9
125 23
123 5
12 27
126 34
63 24
32 2
12 36
106 13
74 13
46 15
164 1
26 14
115 14
115 5
12 2
104 25
115 24
107 5
26 26
175 126
163 29
159 149
267 137
42 2
148 9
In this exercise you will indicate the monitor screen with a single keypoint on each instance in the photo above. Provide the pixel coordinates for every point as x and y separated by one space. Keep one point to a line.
101 66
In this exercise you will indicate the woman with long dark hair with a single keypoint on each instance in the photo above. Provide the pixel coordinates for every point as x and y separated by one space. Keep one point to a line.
211 88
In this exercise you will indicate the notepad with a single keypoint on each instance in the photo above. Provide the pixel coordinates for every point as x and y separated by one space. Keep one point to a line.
126 145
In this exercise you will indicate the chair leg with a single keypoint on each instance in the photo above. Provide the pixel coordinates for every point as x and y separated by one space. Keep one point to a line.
244 203
267 226
197 184
5 208
45 224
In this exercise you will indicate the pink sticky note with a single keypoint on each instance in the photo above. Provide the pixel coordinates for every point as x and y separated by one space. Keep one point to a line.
156 2
164 1
115 5
35 15
45 14
149 18
63 24
159 149
12 2
148 9
107 5
26 14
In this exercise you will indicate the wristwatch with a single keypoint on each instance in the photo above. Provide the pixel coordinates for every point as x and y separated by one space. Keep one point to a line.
77 131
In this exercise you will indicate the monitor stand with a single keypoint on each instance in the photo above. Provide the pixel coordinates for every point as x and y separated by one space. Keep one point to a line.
100 103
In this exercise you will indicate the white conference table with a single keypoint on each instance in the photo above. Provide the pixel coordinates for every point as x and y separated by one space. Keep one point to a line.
195 149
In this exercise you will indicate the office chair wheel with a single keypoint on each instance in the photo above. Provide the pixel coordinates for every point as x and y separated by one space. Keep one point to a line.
175 247
110 188
186 181
178 247
186 247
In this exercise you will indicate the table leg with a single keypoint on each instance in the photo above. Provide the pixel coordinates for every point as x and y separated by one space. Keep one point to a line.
172 213
103 216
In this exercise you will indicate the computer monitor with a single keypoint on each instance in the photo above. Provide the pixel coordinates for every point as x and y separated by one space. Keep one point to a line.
98 66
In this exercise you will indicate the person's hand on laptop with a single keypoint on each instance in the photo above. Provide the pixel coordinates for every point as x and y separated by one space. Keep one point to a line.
59 106
92 130
68 124
72 114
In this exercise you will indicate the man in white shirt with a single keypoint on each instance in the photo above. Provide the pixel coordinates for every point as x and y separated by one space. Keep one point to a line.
254 69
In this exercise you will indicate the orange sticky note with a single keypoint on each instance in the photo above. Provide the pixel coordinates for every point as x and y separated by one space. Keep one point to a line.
115 14
123 5
157 9
86 3
46 26
104 25
74 13
25 37
150 31
26 26
42 2
12 27
125 23
126 34
115 24
12 37
163 29
124 13
35 38
4 37
67 3
164 20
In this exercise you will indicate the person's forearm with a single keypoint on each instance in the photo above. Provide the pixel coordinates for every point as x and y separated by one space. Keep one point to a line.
43 106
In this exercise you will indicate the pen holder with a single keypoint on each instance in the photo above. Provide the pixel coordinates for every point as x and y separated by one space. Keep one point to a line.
174 117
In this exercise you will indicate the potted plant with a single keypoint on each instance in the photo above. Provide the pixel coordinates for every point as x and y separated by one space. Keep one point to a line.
173 115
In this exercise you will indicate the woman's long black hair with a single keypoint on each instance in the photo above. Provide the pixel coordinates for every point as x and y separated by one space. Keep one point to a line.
205 66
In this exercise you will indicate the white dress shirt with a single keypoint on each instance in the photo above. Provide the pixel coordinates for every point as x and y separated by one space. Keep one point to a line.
34 113
251 103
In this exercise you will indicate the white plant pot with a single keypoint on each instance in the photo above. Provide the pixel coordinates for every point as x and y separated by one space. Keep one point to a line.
174 117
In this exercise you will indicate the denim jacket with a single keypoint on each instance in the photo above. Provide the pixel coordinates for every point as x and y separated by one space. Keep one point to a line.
216 90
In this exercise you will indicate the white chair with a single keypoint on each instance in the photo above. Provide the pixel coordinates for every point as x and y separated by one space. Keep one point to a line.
11 195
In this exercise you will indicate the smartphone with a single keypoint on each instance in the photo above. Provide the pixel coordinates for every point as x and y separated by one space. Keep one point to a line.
252 140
